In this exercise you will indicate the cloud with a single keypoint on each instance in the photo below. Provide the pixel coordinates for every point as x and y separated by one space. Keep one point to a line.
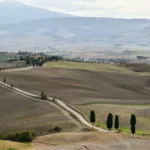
97 8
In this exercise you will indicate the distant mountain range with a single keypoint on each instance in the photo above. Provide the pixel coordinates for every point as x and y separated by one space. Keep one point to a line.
14 11
35 29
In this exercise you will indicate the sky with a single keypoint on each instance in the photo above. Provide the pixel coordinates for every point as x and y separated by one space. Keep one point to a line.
96 8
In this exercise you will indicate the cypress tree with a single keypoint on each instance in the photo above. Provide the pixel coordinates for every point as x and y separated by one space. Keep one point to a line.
109 122
133 120
116 122
133 124
92 117
133 130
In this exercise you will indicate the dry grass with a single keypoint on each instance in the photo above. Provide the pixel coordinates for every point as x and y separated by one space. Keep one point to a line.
75 137
90 140
7 145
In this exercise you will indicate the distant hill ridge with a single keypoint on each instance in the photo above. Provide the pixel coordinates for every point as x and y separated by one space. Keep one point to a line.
12 11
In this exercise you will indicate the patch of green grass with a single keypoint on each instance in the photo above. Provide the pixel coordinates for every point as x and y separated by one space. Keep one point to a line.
27 144
138 132
95 67
88 66
11 149
122 129
100 124
109 103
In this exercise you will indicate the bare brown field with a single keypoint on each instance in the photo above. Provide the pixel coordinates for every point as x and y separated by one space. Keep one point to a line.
89 89
79 86
18 112
89 141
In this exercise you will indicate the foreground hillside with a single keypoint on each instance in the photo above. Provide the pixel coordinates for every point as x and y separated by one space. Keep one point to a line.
91 86
80 140
89 141
21 113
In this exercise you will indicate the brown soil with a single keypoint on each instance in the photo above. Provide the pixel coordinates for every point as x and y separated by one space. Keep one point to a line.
81 86
21 113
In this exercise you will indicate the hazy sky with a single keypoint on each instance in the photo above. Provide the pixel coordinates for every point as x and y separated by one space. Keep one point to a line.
97 8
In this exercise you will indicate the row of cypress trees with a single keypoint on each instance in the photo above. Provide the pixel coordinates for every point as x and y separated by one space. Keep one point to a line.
109 121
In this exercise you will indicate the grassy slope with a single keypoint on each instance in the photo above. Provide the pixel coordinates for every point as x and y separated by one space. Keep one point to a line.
88 66
8 145
124 111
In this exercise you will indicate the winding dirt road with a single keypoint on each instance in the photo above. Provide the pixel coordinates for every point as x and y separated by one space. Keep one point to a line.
58 103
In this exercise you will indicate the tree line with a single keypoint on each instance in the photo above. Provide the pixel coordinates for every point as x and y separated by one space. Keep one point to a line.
110 122
40 60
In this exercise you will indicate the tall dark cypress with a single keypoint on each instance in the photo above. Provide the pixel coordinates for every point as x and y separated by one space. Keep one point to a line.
133 124
92 117
109 121
116 122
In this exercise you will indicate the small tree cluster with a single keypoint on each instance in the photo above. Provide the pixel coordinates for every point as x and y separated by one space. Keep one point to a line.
43 96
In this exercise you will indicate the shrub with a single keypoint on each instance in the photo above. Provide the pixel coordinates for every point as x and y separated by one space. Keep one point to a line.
43 96
20 136
55 129
12 85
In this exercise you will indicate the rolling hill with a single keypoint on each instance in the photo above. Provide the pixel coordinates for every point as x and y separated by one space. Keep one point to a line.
76 34
27 28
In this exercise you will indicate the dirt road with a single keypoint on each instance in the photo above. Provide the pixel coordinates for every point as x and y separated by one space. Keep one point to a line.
58 103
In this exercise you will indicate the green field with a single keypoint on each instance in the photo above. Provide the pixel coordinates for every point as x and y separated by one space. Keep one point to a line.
88 66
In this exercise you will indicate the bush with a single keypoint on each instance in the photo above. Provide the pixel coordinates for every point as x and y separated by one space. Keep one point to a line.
12 85
55 129
20 136
43 96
